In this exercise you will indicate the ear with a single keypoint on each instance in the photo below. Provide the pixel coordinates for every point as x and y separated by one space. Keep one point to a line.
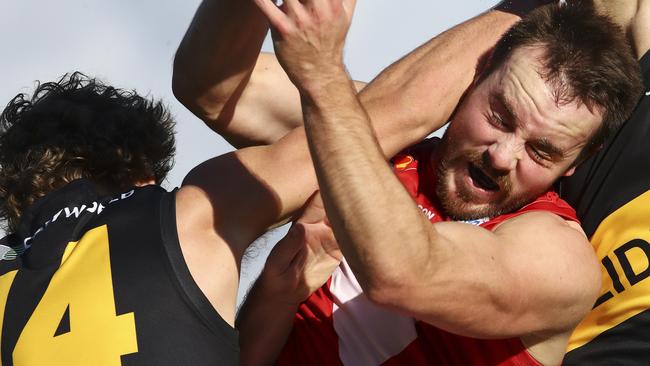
569 172
584 155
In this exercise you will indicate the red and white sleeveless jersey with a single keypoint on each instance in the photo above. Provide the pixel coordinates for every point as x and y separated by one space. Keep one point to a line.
338 325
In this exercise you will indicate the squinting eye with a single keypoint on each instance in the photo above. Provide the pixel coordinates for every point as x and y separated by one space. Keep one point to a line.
496 120
537 156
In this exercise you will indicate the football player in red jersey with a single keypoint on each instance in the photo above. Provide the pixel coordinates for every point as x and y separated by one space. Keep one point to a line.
491 168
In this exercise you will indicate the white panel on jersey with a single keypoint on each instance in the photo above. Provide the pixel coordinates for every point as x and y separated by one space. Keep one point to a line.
368 334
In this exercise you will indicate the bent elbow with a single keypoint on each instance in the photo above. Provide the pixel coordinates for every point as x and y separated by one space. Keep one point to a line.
207 108
385 293
181 88
375 294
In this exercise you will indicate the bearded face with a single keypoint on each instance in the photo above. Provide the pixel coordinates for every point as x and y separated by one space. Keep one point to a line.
469 201
509 141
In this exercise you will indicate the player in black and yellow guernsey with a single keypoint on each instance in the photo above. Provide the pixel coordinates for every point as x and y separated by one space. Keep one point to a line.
93 272
611 194
104 267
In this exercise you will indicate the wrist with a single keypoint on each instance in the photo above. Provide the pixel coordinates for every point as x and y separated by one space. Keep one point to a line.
328 81
275 291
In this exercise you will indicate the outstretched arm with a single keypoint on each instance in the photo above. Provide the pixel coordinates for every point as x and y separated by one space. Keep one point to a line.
213 70
249 100
220 75
633 16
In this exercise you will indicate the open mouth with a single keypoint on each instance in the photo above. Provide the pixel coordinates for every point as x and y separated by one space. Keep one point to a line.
481 179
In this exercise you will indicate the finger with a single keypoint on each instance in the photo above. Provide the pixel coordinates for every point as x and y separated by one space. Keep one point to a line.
348 6
327 222
299 260
322 240
317 4
295 8
278 19
287 248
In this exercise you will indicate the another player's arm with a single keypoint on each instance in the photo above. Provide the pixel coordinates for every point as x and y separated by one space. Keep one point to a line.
633 16
227 202
220 75
250 100
271 305
298 265
271 312
213 68
420 91
639 28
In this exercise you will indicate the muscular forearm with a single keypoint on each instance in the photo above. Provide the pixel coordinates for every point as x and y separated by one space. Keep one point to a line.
425 88
264 322
360 192
383 235
216 57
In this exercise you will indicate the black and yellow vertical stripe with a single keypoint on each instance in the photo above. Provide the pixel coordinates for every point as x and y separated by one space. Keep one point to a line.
611 194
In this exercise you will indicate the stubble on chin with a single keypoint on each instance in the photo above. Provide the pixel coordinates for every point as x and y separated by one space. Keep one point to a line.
459 205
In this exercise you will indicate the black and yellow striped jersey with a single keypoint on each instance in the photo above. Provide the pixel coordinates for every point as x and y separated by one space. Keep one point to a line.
92 280
611 194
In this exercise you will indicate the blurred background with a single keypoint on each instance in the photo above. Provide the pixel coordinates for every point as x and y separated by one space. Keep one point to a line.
131 44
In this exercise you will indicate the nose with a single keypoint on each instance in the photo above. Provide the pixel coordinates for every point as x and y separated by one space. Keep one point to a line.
504 154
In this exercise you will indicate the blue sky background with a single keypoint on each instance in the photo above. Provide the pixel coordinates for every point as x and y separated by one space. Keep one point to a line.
131 44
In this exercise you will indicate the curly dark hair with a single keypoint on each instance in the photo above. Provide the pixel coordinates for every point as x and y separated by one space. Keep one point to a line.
75 128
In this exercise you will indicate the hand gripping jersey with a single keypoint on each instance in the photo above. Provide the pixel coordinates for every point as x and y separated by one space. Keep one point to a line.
338 325
101 281
611 193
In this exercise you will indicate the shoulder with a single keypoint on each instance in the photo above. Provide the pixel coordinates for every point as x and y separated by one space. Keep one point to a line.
540 220
550 245
545 226
549 202
556 239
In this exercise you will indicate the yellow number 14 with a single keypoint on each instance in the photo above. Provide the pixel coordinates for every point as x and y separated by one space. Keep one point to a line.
83 287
